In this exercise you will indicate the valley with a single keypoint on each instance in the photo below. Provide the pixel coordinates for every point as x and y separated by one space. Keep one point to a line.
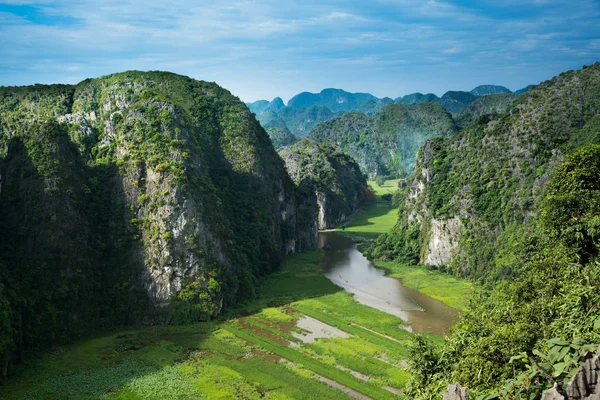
303 337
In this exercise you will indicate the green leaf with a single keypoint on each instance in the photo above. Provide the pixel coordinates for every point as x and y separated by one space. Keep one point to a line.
559 368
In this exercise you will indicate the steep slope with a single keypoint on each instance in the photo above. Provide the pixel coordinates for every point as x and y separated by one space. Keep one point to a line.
386 143
472 191
484 90
281 138
334 99
298 121
339 185
488 104
126 198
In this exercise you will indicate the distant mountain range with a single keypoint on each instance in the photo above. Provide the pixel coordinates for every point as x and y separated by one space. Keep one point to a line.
306 109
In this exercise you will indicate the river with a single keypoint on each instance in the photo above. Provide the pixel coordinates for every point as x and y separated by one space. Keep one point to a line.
348 268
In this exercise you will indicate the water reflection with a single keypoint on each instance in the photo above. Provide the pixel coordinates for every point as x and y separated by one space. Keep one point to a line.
348 268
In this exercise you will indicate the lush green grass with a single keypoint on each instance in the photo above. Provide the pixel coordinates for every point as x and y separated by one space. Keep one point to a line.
246 355
238 358
389 187
452 291
372 220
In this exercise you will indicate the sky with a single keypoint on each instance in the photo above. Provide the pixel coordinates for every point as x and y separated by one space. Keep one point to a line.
264 49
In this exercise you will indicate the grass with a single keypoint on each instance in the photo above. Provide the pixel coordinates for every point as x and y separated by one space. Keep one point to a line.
375 220
240 357
452 291
246 355
372 220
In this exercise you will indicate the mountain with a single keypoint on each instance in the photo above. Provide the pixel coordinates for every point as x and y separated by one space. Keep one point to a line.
261 106
416 98
484 90
125 200
281 137
512 201
298 121
339 185
470 187
524 90
456 101
386 143
453 101
488 104
372 107
334 99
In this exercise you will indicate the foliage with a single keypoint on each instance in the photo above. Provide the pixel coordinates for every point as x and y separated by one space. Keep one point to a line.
528 332
340 185
119 191
386 143
492 173
281 137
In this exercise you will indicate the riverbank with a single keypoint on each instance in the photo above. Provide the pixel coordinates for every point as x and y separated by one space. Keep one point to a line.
376 219
303 338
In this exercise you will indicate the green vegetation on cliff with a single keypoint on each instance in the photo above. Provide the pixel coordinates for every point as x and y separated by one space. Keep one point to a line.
281 137
501 202
127 193
487 177
337 180
386 143
485 105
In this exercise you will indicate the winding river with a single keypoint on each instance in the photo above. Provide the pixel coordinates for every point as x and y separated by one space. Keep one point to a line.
348 268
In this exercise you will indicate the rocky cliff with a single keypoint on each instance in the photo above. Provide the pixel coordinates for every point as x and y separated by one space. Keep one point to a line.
490 175
136 196
335 177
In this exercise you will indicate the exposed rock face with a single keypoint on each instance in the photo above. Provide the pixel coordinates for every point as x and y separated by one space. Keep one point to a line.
124 194
491 173
456 392
443 240
339 185
585 385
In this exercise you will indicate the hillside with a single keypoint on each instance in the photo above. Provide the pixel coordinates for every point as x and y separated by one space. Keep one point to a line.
469 188
281 137
305 109
298 121
485 105
386 143
514 202
339 185
124 200
484 90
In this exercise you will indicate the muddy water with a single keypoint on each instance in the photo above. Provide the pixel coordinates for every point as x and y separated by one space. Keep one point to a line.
348 268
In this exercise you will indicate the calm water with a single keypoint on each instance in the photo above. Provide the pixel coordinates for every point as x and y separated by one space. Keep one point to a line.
348 268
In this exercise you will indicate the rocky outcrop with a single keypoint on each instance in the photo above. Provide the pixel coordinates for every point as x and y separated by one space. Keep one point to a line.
456 392
337 181
137 197
443 240
585 384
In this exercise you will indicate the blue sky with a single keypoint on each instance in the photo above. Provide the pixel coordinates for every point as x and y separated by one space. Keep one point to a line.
263 49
